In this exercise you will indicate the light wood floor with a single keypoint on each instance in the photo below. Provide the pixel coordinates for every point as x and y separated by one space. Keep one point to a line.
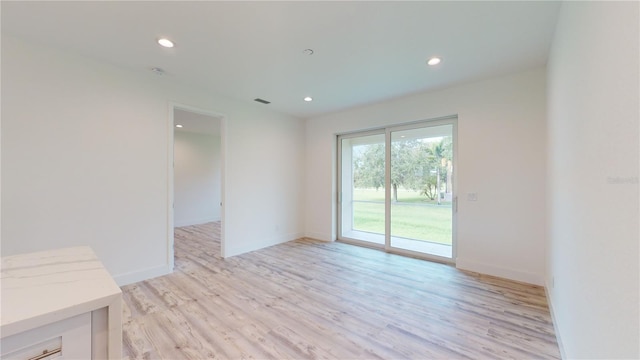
308 299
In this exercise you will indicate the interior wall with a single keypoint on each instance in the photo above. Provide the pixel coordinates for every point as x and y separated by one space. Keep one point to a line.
197 179
501 157
593 254
85 156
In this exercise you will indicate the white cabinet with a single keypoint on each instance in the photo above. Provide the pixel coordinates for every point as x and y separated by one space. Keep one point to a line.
59 304
66 339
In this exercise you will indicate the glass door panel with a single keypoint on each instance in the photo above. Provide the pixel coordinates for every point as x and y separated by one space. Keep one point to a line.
421 182
395 188
362 187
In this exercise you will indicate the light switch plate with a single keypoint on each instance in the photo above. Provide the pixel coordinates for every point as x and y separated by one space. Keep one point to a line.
472 196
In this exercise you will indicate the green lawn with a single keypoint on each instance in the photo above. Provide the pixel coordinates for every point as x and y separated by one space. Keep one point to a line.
411 217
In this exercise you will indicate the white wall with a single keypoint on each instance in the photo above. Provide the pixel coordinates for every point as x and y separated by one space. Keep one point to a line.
196 178
593 179
501 145
85 156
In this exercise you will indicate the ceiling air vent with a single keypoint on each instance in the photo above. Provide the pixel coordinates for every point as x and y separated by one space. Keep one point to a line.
262 101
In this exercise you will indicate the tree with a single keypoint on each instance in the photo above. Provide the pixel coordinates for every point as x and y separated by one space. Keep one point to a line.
430 190
416 164
368 166
407 166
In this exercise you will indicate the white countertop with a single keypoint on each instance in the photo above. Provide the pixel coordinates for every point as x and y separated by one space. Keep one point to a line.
43 287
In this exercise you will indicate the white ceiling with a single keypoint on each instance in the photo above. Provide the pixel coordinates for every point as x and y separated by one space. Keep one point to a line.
196 123
365 52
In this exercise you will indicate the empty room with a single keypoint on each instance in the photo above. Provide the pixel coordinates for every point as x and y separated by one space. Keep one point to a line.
320 180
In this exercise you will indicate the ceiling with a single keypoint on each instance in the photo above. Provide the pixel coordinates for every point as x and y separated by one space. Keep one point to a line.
197 123
364 52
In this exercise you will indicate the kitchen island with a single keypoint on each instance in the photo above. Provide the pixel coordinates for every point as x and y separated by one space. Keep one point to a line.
59 302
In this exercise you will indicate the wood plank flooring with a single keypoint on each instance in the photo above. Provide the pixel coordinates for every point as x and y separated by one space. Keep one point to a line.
313 300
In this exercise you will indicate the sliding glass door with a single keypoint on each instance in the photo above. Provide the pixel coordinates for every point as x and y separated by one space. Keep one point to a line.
396 188
362 169
422 190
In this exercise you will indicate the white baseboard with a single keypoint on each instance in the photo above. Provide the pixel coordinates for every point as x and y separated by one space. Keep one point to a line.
318 236
493 270
136 276
563 355
189 222
264 243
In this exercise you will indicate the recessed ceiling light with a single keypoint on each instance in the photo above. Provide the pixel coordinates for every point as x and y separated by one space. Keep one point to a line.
165 42
307 52
434 61
178 126
308 98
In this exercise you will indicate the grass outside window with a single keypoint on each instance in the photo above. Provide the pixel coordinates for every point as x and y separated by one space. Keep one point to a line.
412 216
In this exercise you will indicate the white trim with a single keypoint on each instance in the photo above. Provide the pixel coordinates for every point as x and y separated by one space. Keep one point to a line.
136 276
381 129
388 148
563 355
319 236
511 274
338 184
272 241
398 251
336 219
170 163
170 176
386 131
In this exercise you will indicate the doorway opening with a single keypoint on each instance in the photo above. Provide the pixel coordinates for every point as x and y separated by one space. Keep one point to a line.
196 172
396 189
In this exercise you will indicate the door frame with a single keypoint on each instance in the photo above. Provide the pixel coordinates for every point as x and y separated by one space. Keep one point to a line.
170 174
387 130
379 131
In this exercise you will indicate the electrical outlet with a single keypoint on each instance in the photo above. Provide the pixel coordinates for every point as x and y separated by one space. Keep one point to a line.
472 196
